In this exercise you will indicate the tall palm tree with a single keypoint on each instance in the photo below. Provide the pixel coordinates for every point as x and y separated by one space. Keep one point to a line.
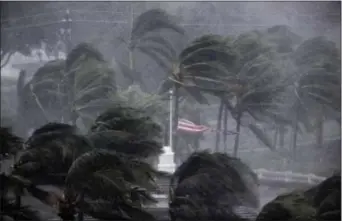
144 37
213 186
258 81
80 84
319 83
201 67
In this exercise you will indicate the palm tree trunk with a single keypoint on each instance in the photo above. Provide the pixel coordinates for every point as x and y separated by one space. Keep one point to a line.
17 202
175 123
225 124
275 137
237 137
218 126
130 50
80 216
320 127
282 136
131 63
294 134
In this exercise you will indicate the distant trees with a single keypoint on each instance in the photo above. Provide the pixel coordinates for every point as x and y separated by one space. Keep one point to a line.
252 74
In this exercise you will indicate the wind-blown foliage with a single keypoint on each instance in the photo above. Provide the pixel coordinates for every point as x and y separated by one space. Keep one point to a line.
321 202
258 82
122 117
80 85
319 64
104 173
144 37
152 104
317 86
211 187
11 209
203 66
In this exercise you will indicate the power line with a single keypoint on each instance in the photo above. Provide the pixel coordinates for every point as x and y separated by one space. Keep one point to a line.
55 12
61 21
29 16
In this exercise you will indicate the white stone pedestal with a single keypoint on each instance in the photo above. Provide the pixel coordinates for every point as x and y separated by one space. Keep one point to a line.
166 162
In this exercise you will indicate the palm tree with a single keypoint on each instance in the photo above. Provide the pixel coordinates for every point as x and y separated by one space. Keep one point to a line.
81 84
201 67
103 173
13 209
212 186
319 82
144 37
258 78
321 202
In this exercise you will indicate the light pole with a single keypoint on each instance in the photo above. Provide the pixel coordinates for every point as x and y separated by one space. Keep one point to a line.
171 120
67 20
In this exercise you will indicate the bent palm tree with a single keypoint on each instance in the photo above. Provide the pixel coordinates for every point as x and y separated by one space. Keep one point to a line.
12 209
102 174
81 85
321 202
202 67
212 186
258 83
145 39
319 82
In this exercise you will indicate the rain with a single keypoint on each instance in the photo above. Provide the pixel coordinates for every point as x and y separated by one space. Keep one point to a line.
175 111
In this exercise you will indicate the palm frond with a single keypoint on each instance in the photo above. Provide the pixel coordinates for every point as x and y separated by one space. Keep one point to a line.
206 182
115 176
155 56
160 42
82 50
128 119
49 155
10 143
153 20
54 127
25 213
126 143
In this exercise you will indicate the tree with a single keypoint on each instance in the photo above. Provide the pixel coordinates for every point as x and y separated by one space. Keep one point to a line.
145 39
96 180
12 209
81 85
25 27
319 82
320 202
258 79
212 186
201 67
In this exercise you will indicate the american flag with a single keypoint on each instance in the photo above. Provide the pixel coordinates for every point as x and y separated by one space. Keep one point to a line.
188 126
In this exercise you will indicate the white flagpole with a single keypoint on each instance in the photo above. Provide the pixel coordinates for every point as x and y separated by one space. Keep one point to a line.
171 120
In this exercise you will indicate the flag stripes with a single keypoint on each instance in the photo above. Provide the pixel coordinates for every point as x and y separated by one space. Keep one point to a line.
188 126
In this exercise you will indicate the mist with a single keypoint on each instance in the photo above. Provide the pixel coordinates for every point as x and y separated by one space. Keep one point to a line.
113 28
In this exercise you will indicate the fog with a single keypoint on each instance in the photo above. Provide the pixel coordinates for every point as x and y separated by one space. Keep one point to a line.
306 19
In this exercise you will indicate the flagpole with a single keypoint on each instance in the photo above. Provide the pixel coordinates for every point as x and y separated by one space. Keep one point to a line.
171 120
